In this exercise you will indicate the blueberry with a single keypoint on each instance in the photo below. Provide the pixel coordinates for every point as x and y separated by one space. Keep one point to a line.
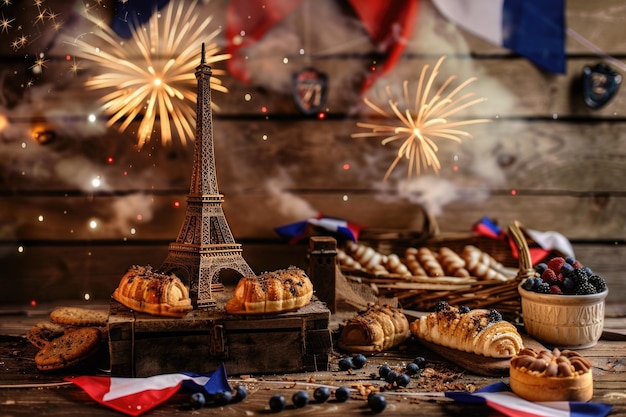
464 309
528 284
240 393
359 361
376 402
570 260
383 371
300 399
342 394
403 380
223 397
197 400
277 403
391 377
412 369
588 271
567 269
540 267
346 363
420 361
321 394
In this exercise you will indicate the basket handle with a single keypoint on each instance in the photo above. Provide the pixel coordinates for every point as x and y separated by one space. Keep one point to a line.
526 269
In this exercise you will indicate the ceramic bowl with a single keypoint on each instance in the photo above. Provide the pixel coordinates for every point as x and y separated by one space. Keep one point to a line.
563 321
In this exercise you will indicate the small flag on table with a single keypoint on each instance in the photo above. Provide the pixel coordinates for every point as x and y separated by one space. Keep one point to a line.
500 397
320 224
135 396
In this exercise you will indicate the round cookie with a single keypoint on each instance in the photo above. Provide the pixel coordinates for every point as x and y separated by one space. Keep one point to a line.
43 333
78 316
69 349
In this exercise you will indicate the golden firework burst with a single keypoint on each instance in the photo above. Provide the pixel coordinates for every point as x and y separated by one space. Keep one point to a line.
152 74
424 119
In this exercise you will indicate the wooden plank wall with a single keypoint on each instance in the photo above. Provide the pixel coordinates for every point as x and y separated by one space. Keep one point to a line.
545 159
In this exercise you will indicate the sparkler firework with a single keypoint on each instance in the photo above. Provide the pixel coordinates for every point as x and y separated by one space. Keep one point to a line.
152 74
427 120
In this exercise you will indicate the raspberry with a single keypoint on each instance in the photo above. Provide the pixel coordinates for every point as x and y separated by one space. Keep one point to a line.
556 263
549 276
555 289
598 283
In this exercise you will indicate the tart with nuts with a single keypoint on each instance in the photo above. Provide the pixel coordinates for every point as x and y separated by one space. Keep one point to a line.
551 375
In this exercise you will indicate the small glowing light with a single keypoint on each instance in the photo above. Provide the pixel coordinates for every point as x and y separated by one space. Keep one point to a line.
91 118
301 51
555 116
455 168
321 115
93 224
264 137
513 192
373 68
125 173
263 109
345 197
247 97
86 296
40 218
285 60
33 303
96 182
67 57
133 231
346 166
139 217
23 145
237 40
177 204
456 157
157 82
110 160
20 249
242 33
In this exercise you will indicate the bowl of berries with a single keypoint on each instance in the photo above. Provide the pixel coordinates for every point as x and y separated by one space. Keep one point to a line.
563 304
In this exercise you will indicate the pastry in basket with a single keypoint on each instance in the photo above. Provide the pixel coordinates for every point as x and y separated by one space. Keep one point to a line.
271 292
377 329
478 331
142 289
551 376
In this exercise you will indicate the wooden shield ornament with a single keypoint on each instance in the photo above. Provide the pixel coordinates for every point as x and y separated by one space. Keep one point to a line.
309 88
600 84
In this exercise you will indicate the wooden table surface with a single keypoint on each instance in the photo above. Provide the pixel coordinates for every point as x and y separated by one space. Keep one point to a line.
26 392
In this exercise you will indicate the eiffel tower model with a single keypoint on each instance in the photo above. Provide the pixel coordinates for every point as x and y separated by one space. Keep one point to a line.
205 243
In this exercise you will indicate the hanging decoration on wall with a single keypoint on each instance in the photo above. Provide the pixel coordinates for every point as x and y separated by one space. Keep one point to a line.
151 75
309 88
424 119
600 84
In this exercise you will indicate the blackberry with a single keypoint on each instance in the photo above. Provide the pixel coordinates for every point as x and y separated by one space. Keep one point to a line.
585 288
494 316
543 288
598 282
579 275
441 306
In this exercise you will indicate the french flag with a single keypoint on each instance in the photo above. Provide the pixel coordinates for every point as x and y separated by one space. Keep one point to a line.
135 396
320 224
534 29
500 397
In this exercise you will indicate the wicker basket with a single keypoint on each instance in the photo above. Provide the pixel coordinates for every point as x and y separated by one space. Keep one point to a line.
423 293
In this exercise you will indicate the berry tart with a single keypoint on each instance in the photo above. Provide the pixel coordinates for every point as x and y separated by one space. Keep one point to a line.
551 376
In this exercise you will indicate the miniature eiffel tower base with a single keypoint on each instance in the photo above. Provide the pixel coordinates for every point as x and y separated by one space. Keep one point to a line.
203 265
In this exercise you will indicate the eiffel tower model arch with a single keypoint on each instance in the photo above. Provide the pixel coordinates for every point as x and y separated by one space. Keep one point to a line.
205 243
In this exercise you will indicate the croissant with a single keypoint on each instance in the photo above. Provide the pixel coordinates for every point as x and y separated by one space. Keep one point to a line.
472 254
377 329
477 331
410 256
271 292
141 289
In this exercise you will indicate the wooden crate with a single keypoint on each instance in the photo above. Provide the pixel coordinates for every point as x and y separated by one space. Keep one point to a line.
143 345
